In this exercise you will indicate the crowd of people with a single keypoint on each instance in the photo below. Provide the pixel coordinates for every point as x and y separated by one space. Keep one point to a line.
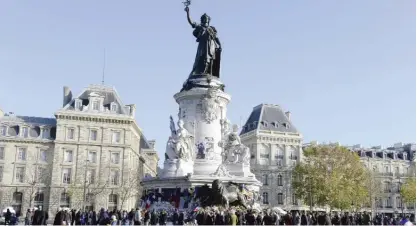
222 216
207 216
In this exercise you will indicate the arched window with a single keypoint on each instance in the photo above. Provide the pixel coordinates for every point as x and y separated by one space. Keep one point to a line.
280 199
265 179
65 200
265 198
39 197
112 202
279 180
17 202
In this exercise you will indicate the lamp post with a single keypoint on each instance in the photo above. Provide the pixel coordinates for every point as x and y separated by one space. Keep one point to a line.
85 182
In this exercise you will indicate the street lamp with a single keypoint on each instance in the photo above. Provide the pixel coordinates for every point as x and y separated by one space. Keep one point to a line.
85 182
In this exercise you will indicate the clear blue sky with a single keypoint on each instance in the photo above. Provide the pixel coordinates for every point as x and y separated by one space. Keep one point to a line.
345 69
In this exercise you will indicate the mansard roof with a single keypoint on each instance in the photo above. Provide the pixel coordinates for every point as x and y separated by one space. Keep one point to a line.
109 95
17 119
268 117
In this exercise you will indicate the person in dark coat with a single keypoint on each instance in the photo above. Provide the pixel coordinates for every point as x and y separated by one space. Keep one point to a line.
268 219
154 218
199 218
304 219
259 219
7 217
40 217
175 217
250 218
73 216
219 219
345 220
59 217
181 219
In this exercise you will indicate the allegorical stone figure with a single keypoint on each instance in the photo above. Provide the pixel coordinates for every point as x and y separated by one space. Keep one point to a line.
207 59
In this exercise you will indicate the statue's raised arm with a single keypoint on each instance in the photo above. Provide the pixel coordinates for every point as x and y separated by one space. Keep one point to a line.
193 24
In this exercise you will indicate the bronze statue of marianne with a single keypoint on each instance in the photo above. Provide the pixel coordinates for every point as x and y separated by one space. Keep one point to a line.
207 59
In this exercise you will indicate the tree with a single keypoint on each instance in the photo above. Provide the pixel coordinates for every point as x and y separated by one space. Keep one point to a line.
330 176
36 177
80 191
374 188
408 190
130 187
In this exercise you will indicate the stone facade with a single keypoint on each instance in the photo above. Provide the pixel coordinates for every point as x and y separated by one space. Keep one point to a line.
276 147
391 167
92 147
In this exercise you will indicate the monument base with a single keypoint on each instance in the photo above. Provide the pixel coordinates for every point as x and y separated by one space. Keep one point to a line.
177 168
240 170
169 186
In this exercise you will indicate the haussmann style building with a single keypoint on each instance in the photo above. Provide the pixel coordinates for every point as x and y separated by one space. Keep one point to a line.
276 147
91 155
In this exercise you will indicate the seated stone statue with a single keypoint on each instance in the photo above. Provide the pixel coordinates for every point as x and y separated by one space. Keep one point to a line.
233 149
179 145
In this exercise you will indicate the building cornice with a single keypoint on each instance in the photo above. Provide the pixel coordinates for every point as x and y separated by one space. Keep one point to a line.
26 140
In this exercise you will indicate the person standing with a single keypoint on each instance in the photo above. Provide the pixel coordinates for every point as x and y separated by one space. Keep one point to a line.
233 218
28 218
138 217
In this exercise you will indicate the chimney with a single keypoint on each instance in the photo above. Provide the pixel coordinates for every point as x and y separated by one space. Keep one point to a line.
288 114
1 113
67 96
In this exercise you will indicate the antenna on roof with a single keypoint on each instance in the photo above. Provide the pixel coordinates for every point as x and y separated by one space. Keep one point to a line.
104 66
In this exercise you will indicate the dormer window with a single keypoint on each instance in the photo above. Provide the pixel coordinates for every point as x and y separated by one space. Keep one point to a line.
373 154
362 154
385 155
264 124
255 123
113 107
78 104
405 156
96 105
286 125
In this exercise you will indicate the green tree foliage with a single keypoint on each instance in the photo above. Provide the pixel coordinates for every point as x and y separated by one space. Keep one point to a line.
330 176
374 188
408 190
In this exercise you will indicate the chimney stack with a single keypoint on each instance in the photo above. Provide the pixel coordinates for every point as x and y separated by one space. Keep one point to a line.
1 113
288 114
67 96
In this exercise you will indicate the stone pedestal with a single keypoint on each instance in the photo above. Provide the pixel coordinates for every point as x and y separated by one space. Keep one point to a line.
240 170
202 109
177 168
202 128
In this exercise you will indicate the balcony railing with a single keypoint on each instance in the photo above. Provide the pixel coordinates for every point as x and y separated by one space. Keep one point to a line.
386 174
